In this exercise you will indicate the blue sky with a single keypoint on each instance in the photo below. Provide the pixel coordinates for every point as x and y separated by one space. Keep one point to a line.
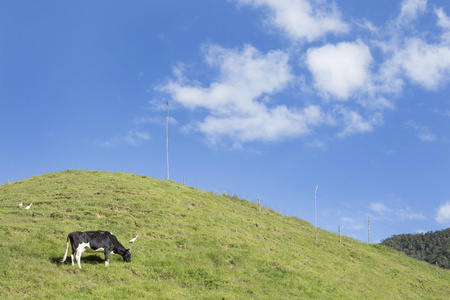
267 97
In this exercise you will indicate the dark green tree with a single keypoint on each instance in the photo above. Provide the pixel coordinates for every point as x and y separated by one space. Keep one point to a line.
431 247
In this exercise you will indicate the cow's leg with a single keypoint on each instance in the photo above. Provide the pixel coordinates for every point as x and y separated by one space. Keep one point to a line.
74 251
78 256
80 251
107 257
72 257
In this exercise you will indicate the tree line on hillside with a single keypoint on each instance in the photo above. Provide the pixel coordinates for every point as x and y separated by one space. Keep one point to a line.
431 247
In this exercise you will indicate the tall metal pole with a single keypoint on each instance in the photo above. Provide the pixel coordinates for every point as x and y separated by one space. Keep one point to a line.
315 210
167 139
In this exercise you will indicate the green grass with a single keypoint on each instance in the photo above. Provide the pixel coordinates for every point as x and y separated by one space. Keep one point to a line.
192 245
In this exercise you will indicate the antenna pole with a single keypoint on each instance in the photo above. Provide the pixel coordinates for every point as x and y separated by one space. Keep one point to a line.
315 210
167 139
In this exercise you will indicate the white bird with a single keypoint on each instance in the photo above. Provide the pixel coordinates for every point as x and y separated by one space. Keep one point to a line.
133 239
21 203
28 207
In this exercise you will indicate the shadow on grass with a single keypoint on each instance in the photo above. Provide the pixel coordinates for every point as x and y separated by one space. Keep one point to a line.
87 259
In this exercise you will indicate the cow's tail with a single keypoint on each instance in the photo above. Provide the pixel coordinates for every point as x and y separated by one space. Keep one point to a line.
67 249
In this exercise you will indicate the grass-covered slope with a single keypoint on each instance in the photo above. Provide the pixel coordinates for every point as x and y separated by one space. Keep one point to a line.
192 245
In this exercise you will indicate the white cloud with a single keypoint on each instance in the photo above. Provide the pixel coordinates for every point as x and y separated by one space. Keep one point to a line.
131 138
389 79
316 143
301 19
149 120
410 9
423 132
265 124
409 54
141 135
238 98
354 123
398 210
379 207
407 213
425 64
444 22
366 25
340 70
243 76
353 224
441 112
134 138
443 215
443 19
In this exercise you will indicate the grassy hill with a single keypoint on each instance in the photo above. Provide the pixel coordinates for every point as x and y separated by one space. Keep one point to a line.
192 245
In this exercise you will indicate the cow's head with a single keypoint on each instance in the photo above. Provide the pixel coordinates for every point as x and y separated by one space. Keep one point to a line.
127 255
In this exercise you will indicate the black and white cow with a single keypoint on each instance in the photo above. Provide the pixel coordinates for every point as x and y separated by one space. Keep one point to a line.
95 241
